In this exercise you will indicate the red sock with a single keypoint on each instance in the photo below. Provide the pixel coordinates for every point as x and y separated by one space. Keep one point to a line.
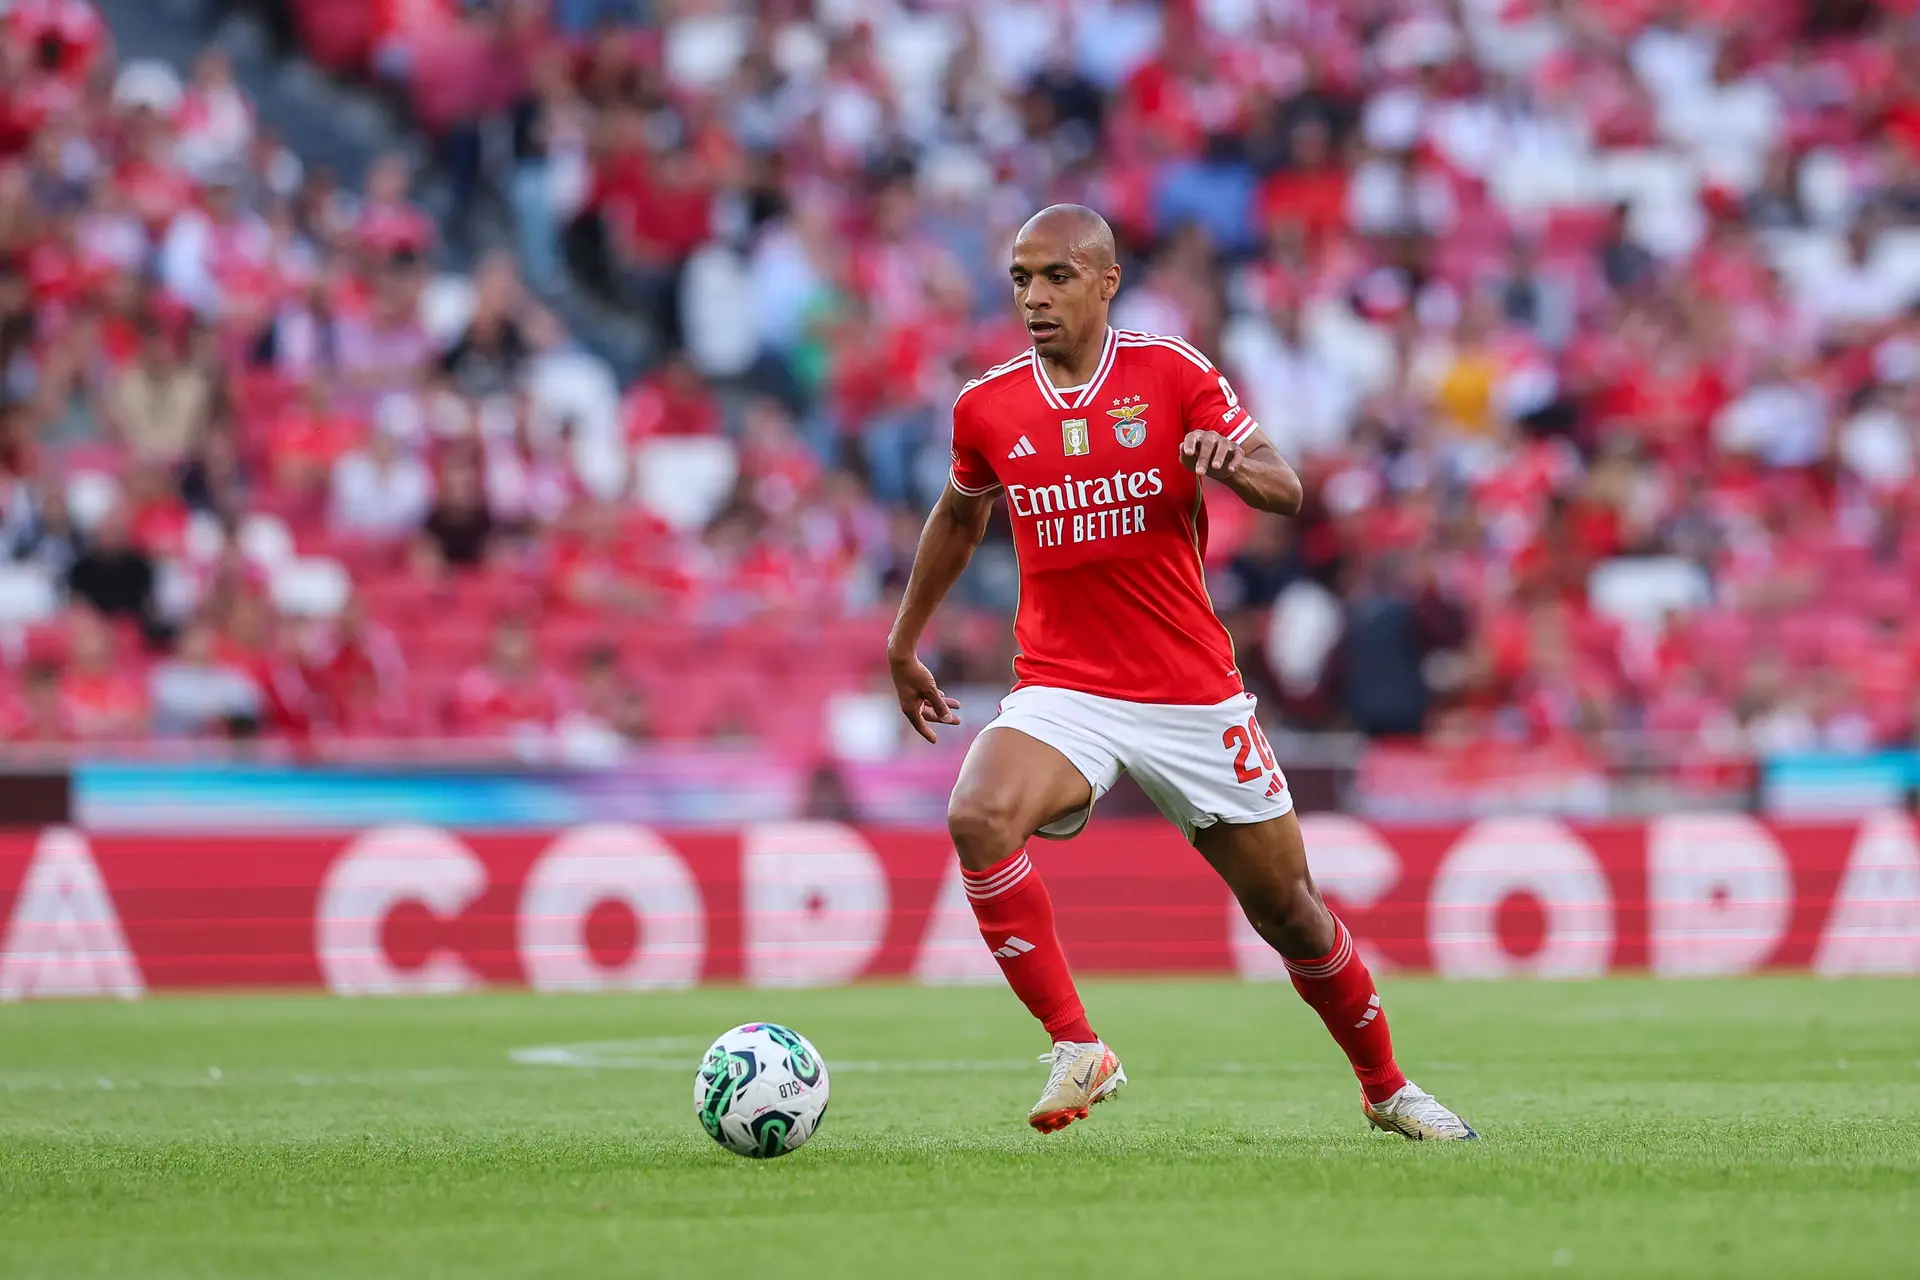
1016 919
1341 991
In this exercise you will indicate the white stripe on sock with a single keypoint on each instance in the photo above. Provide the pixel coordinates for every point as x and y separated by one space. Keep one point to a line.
1334 963
980 888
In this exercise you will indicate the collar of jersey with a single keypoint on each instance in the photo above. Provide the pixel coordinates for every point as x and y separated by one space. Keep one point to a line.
1056 396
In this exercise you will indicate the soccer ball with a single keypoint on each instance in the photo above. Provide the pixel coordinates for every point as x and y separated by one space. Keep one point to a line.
761 1090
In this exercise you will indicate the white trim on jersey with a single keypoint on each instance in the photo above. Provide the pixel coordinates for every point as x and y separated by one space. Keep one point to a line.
1057 396
1109 351
954 480
1000 370
1133 339
1245 429
1048 391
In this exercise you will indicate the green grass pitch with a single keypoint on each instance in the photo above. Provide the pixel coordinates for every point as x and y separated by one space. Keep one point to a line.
1741 1128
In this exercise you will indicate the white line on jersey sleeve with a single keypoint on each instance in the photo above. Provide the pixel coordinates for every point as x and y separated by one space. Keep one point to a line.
954 480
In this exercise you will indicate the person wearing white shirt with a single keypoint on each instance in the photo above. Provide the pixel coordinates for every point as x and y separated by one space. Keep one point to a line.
1730 123
200 244
1780 420
379 492
1306 401
1857 290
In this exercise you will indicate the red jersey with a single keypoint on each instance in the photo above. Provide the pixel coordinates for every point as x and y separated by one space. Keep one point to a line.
1108 519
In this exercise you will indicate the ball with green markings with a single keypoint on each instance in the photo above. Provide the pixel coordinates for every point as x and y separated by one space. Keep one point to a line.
761 1090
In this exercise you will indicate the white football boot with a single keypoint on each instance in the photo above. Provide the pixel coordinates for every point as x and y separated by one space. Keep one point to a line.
1082 1075
1414 1113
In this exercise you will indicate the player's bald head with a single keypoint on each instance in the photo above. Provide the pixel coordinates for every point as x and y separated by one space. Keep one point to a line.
1064 275
1081 232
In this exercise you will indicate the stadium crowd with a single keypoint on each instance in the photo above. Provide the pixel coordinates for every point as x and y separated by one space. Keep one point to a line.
1592 328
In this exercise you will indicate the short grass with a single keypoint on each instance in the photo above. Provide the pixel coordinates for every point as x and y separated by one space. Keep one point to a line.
1766 1127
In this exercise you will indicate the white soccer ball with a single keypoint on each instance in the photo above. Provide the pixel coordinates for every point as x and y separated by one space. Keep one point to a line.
761 1090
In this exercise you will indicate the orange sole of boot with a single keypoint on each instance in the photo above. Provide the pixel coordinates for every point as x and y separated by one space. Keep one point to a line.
1055 1121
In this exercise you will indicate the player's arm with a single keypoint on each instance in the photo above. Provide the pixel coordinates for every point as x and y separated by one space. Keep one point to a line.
1250 466
953 530
1223 441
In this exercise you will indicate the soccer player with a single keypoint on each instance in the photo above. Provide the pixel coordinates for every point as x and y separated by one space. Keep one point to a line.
1100 439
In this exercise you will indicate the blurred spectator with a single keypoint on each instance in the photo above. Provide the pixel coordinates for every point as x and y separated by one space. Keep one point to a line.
551 126
213 480
112 574
195 694
159 406
610 716
1626 264
39 529
383 351
493 350
1855 292
530 480
39 716
509 694
310 438
828 797
1382 689
98 699
672 401
301 341
207 249
1305 401
605 561
651 210
390 226
461 526
215 120
357 673
378 492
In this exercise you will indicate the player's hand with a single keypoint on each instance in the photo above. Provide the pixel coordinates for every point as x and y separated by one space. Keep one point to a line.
1211 453
921 701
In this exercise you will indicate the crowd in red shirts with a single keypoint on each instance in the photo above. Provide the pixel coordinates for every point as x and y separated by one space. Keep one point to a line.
1592 328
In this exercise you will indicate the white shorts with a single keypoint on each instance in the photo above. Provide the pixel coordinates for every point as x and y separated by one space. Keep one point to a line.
1199 764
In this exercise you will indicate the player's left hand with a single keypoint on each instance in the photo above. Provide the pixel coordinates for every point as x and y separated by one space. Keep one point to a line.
1212 454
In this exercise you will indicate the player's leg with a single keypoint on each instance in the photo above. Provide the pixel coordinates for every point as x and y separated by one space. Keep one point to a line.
1011 785
1265 864
1211 771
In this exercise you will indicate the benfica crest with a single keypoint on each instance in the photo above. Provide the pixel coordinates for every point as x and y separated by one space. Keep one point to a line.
1130 424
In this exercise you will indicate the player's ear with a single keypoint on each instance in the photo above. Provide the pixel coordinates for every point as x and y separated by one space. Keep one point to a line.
1110 282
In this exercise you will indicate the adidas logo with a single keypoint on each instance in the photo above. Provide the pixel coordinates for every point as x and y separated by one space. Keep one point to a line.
1013 949
1275 787
1024 449
1373 1011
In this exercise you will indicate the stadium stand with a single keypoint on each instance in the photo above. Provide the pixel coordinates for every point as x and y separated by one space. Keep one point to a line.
1592 328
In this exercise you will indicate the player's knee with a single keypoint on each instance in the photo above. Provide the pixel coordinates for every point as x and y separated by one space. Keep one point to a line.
984 830
1291 917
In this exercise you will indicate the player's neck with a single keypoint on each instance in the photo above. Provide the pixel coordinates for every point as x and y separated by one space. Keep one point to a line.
1077 369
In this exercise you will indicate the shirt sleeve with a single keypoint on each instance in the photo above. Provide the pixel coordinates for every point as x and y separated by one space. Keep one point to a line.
972 474
1212 404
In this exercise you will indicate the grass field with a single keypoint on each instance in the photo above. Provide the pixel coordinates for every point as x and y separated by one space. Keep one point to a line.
1767 1127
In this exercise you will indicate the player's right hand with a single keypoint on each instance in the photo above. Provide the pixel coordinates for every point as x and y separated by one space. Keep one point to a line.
920 698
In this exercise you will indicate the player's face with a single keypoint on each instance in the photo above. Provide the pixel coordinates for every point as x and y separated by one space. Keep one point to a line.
1060 296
